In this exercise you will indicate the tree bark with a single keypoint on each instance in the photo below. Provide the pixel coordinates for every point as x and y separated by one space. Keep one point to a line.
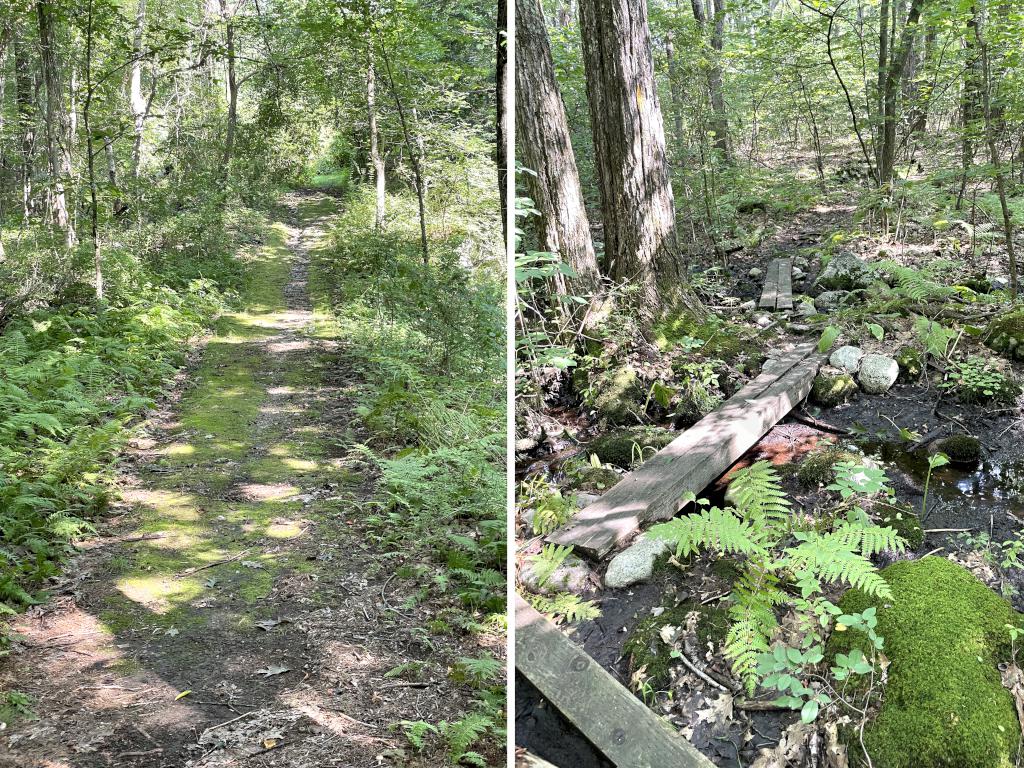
895 71
26 116
56 134
232 87
544 147
629 147
501 66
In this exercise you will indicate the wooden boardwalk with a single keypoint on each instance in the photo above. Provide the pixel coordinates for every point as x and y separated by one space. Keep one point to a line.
616 722
778 285
693 460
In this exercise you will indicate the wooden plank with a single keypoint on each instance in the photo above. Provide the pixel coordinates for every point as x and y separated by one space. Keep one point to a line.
770 292
694 459
615 721
785 297
527 760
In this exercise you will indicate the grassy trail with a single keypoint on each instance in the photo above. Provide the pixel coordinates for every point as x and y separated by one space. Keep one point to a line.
233 582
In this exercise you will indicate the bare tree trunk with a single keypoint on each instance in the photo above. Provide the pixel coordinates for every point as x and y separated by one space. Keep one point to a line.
544 147
56 135
720 123
138 103
895 71
629 148
232 86
97 255
970 107
26 111
501 66
993 152
375 157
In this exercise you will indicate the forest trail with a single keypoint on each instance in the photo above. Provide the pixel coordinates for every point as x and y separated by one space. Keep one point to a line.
231 612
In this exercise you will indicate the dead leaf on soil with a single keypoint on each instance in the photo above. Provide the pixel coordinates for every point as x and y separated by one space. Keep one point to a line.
269 624
1013 681
273 669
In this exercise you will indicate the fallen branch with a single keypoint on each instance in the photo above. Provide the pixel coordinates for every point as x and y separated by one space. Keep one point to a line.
948 530
231 559
810 421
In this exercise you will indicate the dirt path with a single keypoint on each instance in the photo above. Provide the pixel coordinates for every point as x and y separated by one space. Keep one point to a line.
233 612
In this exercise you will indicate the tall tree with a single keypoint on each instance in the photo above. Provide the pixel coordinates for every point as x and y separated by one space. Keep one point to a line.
638 213
716 88
57 135
545 149
376 159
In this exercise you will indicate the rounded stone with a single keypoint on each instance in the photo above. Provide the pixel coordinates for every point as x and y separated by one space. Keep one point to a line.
848 358
878 373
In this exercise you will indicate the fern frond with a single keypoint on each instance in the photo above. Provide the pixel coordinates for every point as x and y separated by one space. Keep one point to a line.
715 529
828 558
868 539
564 605
757 493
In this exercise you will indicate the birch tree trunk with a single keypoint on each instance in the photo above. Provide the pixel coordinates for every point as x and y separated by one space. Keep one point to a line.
138 103
376 160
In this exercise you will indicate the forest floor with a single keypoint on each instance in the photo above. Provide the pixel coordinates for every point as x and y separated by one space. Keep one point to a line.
232 612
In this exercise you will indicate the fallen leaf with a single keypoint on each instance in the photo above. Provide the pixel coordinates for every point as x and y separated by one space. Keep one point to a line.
275 669
182 695
269 624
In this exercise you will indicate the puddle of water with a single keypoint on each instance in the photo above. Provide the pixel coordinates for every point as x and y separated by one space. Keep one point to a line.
989 483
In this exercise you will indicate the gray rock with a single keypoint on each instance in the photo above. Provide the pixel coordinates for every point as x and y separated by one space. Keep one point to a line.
800 262
805 309
1000 283
798 274
748 306
573 575
755 273
830 300
635 564
844 272
799 328
848 358
526 444
878 373
584 500
763 321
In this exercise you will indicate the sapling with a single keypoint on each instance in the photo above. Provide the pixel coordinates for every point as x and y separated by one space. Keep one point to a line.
935 461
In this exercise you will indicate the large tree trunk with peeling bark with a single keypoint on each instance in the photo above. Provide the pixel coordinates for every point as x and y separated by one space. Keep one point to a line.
629 148
544 147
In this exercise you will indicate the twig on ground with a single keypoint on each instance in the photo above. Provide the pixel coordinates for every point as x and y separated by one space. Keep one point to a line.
231 559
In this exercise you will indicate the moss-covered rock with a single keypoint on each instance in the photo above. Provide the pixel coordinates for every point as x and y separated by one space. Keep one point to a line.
593 479
622 447
819 468
645 648
1005 335
618 396
945 635
832 388
722 340
902 518
911 363
961 449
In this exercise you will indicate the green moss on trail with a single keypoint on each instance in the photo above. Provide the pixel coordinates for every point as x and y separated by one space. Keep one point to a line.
645 648
618 397
945 635
623 447
723 340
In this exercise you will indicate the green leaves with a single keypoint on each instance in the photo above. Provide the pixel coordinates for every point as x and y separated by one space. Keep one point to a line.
828 338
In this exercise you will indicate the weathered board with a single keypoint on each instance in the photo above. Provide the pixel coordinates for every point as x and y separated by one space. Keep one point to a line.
616 722
694 459
526 760
770 292
778 285
785 293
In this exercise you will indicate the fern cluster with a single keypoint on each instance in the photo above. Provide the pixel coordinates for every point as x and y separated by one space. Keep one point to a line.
73 379
780 552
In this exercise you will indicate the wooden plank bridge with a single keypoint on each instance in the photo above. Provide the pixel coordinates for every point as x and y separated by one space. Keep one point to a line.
616 722
778 285
693 460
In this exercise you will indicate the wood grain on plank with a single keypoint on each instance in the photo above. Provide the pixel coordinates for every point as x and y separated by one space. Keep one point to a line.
693 460
615 721
770 293
785 295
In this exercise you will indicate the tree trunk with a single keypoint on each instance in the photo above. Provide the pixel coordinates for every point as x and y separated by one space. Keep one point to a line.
629 148
58 153
138 103
720 123
970 107
26 117
544 147
375 157
501 66
993 152
232 87
895 71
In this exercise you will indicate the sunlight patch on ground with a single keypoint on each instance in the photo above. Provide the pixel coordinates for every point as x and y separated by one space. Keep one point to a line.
178 449
286 529
168 504
157 591
268 491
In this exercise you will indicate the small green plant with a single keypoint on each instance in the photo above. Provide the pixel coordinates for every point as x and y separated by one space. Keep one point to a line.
978 380
551 510
547 561
935 461
564 606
